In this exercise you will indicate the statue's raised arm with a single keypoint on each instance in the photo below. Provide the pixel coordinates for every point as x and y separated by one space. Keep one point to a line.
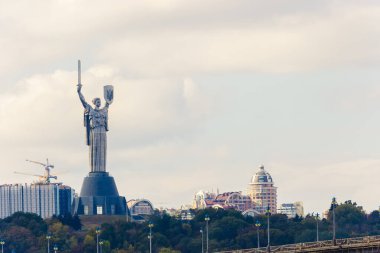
81 97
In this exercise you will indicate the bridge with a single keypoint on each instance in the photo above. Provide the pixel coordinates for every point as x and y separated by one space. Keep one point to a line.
367 244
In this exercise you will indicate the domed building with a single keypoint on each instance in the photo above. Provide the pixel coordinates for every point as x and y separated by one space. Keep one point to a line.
262 191
140 207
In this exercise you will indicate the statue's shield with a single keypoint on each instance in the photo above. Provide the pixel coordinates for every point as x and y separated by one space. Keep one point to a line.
108 93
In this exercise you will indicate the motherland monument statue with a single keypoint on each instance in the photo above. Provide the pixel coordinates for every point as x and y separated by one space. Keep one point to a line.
99 194
96 123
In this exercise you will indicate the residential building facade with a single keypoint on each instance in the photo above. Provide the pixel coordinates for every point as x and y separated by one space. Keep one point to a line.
262 191
291 209
45 200
201 198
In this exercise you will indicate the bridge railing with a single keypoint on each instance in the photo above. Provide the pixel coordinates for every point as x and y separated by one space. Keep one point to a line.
312 245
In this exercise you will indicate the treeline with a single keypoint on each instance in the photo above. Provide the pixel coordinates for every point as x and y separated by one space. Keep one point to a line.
228 229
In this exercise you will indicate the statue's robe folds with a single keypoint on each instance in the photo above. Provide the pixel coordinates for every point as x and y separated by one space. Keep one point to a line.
96 123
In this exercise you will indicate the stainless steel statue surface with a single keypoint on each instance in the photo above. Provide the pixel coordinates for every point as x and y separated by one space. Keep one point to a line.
96 123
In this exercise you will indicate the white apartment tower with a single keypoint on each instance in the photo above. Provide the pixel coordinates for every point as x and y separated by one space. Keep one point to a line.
45 200
262 191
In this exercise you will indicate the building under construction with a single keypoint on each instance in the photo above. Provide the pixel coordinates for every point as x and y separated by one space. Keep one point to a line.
42 197
45 200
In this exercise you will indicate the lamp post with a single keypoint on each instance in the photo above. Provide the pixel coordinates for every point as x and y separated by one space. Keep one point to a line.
258 225
333 206
97 231
2 242
101 246
207 219
55 248
48 237
202 240
268 214
150 236
317 217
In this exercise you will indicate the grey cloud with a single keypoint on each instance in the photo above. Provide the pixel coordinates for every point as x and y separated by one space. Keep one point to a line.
167 38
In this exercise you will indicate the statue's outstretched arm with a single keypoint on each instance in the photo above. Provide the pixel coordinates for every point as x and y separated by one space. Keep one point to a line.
81 97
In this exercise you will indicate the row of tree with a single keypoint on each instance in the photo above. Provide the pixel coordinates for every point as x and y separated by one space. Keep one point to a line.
228 229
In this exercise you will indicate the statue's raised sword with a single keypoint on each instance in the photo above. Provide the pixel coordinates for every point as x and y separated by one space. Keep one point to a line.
79 74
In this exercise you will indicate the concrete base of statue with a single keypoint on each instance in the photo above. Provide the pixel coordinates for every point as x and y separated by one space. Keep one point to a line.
99 196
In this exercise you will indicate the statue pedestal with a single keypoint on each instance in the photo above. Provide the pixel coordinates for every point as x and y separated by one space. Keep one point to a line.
99 196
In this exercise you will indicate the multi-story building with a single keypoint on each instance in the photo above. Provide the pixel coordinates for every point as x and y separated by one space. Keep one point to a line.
291 209
201 198
262 191
186 214
235 200
226 200
45 200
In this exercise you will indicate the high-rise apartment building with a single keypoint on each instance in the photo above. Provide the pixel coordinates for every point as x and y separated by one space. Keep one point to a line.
45 200
292 209
262 191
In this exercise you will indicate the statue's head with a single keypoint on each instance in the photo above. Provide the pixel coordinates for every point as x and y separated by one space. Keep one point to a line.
97 102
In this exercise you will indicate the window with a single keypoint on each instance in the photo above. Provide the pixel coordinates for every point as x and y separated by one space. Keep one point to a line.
85 210
99 209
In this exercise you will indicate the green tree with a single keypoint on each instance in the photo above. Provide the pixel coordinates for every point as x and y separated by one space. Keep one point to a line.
89 244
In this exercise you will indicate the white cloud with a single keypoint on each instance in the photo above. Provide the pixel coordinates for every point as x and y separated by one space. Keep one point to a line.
345 36
181 38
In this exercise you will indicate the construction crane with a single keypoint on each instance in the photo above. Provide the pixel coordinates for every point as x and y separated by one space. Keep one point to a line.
45 179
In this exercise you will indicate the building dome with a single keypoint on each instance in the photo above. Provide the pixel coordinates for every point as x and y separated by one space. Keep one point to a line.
262 191
262 176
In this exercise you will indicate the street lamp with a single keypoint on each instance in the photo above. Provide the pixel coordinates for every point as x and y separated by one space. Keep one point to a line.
55 248
207 219
150 236
317 217
268 214
258 225
97 231
101 245
333 206
202 239
2 242
48 237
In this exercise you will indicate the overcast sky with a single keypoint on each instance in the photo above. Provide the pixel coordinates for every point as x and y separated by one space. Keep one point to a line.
205 92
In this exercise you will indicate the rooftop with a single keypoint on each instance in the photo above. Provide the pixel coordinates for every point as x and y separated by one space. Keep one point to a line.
262 176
